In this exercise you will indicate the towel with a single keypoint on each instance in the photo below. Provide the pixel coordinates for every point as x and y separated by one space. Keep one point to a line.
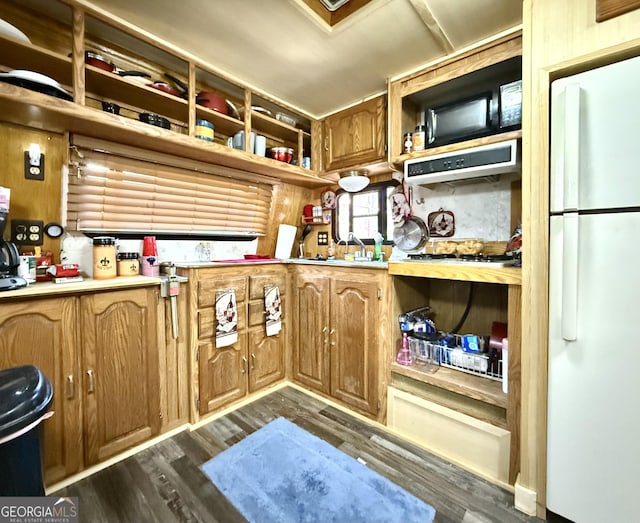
227 318
273 310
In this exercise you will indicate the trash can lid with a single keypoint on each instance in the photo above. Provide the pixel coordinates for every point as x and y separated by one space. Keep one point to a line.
25 395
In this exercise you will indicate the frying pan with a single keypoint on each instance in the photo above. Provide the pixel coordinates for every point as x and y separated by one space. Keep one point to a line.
412 235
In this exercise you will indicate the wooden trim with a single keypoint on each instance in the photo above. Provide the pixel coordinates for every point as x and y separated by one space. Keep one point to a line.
606 9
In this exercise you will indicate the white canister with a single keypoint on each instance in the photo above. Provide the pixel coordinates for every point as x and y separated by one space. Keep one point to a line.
27 268
260 145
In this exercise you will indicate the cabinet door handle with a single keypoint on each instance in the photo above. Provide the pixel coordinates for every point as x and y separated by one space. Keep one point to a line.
71 388
332 331
253 361
324 329
244 365
91 384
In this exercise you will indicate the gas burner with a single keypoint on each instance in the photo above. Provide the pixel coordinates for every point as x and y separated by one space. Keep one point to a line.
424 256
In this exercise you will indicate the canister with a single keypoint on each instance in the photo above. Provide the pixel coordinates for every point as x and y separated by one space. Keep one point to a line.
418 138
128 264
104 257
204 130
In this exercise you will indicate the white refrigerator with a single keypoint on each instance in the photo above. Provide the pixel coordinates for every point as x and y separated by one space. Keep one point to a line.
593 425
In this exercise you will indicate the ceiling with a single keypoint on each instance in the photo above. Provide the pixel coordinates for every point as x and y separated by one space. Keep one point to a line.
283 49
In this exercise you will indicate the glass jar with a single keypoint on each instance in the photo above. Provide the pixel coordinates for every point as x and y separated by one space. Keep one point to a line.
104 257
418 138
128 264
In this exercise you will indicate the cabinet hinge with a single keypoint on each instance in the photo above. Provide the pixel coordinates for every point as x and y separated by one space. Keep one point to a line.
379 293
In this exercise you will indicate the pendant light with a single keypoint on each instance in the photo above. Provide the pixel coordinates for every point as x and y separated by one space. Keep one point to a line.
354 181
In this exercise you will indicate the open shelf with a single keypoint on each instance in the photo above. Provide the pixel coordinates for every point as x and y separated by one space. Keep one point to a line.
460 272
25 107
476 387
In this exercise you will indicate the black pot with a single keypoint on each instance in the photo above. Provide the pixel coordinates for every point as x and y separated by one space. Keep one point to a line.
154 119
110 107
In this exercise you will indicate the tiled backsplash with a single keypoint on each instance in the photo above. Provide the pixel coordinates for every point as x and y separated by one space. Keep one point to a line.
77 248
481 209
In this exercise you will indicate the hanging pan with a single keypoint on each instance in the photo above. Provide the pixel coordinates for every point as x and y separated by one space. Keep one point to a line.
412 235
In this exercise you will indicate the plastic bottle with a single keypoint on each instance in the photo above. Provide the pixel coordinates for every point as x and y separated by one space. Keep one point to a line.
404 354
377 248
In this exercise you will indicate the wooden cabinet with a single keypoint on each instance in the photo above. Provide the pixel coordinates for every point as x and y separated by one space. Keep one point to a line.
340 326
120 371
356 136
44 333
227 374
100 352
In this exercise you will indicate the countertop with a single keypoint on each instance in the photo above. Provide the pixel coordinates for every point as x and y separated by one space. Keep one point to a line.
294 261
55 289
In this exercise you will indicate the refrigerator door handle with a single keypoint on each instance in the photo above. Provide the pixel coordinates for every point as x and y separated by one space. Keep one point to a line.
570 244
571 153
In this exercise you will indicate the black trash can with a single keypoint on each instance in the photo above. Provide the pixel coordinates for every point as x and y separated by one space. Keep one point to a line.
25 398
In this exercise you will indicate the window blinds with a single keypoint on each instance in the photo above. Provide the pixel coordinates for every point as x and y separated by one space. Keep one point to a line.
110 192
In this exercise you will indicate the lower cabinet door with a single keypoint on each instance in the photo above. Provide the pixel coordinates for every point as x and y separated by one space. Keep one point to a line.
223 373
43 333
266 358
355 345
120 371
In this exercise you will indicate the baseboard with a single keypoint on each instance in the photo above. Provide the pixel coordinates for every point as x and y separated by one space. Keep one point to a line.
112 461
525 499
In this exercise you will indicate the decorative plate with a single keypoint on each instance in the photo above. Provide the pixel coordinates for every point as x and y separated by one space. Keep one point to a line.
328 200
441 223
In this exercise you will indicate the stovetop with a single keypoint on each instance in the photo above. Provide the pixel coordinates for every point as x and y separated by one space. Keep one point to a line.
501 260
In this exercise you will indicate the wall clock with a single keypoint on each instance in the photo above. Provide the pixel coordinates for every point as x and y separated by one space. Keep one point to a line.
441 223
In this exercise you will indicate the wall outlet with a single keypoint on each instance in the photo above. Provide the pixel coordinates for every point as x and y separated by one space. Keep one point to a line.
323 238
33 171
26 232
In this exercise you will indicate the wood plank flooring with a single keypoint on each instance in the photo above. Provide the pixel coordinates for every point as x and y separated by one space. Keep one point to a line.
165 484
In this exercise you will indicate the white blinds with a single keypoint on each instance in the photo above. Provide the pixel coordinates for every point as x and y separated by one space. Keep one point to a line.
110 192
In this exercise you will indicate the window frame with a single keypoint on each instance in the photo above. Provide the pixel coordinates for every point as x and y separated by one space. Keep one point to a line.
383 219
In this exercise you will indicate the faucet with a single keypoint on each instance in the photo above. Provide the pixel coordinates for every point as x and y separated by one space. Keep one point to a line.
355 239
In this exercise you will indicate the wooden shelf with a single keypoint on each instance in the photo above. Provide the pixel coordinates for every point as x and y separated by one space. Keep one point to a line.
398 161
476 387
460 272
29 108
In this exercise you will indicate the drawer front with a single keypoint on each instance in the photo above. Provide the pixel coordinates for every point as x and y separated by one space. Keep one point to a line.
256 311
259 282
207 289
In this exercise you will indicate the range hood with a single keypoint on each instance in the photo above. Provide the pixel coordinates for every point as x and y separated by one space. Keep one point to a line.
475 162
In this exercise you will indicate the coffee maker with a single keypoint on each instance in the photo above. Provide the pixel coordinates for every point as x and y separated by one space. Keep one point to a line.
9 259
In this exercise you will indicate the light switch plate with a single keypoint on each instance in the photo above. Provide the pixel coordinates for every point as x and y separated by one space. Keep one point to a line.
27 232
323 238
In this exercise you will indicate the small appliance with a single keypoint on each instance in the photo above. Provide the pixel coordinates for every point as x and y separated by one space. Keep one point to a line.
9 259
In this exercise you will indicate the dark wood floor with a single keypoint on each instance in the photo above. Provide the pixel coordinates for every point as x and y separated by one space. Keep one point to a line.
165 484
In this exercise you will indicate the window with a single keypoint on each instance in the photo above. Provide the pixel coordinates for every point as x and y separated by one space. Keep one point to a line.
364 213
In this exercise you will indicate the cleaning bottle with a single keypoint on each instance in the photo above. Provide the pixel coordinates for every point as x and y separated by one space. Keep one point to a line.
377 249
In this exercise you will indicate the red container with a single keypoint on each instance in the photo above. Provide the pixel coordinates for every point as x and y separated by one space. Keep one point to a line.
149 246
282 154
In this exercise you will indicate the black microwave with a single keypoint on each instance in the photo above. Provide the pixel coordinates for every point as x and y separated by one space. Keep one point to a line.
490 112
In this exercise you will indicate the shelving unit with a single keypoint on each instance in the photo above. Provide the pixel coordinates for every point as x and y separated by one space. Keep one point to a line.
79 28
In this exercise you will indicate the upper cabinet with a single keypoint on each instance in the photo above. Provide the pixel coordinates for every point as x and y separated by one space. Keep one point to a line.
356 137
457 78
129 87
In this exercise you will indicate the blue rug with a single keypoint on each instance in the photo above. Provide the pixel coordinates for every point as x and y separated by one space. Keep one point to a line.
283 474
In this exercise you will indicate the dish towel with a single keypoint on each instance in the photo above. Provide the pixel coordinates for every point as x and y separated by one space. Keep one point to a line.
273 310
227 318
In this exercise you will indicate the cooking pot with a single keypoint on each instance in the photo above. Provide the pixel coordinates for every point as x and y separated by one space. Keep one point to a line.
98 61
212 100
155 119
412 235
